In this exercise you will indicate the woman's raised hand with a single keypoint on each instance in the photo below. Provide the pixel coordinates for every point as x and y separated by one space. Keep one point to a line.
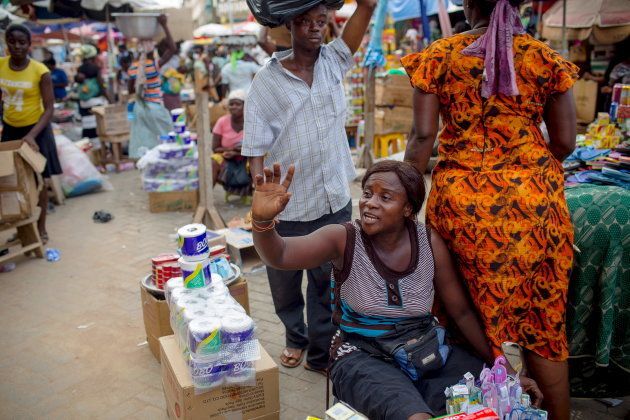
271 195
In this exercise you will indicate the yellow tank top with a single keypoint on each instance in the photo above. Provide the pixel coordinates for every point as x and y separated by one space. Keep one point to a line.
21 96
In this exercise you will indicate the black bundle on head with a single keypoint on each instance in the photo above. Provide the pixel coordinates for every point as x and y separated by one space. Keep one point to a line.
409 177
17 27
274 13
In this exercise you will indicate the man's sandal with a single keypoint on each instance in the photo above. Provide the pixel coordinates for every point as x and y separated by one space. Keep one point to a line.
290 358
322 371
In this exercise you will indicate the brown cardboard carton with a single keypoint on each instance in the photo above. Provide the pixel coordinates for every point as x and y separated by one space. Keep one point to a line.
261 401
397 119
160 202
216 110
240 293
157 318
394 89
20 180
240 246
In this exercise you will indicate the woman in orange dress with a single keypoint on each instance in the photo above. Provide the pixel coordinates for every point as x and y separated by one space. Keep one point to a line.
497 193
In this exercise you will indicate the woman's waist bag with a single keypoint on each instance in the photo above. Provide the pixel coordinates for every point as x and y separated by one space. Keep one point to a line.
416 345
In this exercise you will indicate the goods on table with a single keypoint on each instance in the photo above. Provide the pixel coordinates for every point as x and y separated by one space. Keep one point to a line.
601 133
215 335
173 164
164 268
620 103
496 390
599 166
194 263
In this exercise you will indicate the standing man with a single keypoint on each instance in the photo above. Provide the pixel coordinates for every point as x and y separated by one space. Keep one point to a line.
295 114
238 72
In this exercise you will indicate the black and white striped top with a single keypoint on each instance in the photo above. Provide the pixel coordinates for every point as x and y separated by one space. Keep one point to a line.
373 295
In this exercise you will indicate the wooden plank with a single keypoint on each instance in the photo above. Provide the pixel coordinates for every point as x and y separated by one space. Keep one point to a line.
366 158
206 213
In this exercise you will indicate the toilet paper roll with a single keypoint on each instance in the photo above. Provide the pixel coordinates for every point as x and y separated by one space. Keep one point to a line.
193 242
171 285
207 374
194 273
237 328
178 114
219 289
180 127
184 317
240 372
204 337
177 294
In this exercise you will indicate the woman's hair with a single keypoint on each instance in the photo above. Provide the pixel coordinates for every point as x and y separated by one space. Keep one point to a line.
17 27
409 177
487 6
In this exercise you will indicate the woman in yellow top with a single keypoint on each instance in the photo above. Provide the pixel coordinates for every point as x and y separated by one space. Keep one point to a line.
27 103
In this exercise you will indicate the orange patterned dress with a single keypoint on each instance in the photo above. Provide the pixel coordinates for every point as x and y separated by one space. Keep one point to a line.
497 193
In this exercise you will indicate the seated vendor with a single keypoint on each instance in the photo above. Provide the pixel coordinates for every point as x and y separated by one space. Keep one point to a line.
387 270
229 168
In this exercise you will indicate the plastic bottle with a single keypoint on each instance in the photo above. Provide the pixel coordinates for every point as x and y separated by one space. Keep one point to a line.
499 373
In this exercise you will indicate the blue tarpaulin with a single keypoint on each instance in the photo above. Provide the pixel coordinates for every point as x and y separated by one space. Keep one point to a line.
410 9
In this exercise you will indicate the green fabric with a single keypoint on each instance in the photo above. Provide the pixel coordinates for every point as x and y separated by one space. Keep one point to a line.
598 313
89 89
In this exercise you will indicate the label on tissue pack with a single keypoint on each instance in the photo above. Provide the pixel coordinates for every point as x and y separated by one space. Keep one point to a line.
196 278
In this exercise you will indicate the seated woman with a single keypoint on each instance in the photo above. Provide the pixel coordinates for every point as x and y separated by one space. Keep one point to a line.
229 168
387 270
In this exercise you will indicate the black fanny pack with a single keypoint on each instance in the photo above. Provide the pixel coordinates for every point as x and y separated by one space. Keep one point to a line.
416 345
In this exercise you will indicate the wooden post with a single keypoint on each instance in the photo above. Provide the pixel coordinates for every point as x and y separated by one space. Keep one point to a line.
366 159
206 212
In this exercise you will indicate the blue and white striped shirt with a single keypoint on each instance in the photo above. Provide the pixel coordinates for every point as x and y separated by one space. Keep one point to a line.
289 122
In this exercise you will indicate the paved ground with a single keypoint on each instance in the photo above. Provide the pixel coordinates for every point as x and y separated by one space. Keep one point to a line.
73 338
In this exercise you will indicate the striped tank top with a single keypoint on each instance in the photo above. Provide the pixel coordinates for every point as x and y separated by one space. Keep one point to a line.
368 297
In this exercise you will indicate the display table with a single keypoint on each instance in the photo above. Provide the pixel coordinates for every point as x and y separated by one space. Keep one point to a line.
598 313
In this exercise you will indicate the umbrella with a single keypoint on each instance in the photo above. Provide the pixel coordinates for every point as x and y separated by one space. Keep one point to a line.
607 20
210 30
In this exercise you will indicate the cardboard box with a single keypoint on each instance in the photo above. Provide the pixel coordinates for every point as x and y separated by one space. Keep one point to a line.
395 119
585 96
394 89
160 202
20 180
261 401
217 110
157 319
240 292
240 245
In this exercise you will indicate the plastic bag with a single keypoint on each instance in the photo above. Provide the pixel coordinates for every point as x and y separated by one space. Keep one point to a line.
79 175
274 13
151 121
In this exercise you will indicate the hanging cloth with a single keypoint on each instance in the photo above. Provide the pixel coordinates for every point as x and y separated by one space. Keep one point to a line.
495 47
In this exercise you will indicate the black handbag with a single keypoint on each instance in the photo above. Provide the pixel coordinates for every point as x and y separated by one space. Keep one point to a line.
416 345
236 175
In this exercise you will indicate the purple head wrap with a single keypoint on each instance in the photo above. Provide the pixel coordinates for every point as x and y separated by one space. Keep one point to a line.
495 47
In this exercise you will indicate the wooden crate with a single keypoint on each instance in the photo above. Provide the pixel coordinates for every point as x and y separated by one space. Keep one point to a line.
111 120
